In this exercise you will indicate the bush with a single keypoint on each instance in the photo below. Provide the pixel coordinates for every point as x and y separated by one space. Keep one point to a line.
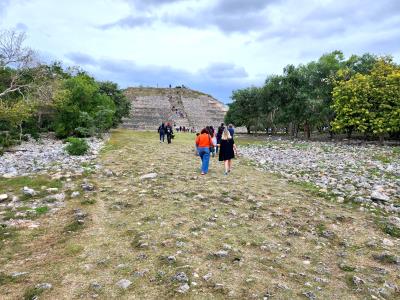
76 146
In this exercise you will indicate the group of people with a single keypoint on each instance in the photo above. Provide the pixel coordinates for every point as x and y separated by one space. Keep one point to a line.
220 142
209 142
166 130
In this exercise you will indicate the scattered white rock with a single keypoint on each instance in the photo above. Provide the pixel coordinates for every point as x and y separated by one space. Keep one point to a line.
3 197
18 274
149 176
124 283
45 156
183 289
379 196
28 191
387 242
75 194
44 286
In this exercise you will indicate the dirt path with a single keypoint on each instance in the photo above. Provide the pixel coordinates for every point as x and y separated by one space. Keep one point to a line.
248 235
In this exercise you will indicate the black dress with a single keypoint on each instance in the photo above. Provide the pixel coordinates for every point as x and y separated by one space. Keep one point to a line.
226 150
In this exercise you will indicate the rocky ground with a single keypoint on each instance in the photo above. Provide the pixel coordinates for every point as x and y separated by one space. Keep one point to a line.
367 174
147 225
44 156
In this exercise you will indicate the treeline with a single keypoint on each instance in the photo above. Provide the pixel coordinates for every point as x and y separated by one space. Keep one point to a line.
333 95
36 97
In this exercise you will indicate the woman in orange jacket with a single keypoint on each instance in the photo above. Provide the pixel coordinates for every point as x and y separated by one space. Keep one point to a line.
203 144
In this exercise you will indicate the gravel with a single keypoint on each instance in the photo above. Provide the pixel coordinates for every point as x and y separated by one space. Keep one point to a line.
362 173
46 154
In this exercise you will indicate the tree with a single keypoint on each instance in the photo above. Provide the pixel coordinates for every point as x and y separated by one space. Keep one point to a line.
244 110
15 114
81 108
122 103
17 60
369 103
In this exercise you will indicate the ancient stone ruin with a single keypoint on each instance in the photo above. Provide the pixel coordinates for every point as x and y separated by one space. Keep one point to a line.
179 106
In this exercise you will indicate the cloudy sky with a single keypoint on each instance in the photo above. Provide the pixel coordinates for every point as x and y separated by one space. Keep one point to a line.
214 46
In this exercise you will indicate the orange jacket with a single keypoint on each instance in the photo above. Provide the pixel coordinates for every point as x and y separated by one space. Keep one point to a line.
204 140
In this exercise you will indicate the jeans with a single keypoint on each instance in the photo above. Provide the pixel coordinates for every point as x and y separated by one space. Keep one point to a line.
169 137
162 135
204 153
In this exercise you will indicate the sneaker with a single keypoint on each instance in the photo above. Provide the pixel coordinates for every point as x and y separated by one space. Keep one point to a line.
202 173
225 173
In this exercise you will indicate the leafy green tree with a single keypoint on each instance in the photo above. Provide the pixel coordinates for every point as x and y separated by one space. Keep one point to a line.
80 104
369 103
244 111
122 103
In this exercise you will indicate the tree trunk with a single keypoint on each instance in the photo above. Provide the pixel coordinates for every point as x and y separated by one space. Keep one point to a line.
381 139
307 131
20 132
248 129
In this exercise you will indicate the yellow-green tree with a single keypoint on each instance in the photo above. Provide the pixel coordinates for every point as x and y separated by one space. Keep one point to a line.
369 103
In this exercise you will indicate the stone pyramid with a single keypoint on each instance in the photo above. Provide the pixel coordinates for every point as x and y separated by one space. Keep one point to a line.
179 106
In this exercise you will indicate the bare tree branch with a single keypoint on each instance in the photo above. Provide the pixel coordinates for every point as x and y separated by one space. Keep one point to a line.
17 58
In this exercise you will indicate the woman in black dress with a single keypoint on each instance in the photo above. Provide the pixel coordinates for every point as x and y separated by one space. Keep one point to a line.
227 150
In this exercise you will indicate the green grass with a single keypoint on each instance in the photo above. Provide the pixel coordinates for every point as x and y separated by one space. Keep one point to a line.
33 293
5 279
382 158
41 210
73 249
34 182
73 226
88 201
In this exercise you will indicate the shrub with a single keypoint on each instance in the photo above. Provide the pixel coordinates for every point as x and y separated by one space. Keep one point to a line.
76 146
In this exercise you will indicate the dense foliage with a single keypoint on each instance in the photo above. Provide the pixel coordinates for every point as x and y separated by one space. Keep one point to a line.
76 146
36 97
330 95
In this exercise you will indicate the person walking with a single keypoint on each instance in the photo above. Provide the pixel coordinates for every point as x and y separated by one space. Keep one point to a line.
161 131
203 144
169 131
227 150
231 130
219 135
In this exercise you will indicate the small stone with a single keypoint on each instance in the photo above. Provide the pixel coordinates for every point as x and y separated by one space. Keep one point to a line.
310 295
108 173
28 191
357 281
180 277
44 286
199 197
221 254
95 285
184 288
387 242
149 176
379 196
52 190
207 277
88 187
124 283
55 197
340 199
18 274
75 194
3 197
171 259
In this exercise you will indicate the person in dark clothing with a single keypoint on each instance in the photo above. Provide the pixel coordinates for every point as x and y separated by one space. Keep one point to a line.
161 131
169 131
219 135
231 130
227 150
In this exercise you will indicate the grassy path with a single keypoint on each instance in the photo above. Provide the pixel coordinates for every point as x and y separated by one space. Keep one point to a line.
248 235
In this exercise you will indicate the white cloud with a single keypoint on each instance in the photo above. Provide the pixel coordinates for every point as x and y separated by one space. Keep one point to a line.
216 45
